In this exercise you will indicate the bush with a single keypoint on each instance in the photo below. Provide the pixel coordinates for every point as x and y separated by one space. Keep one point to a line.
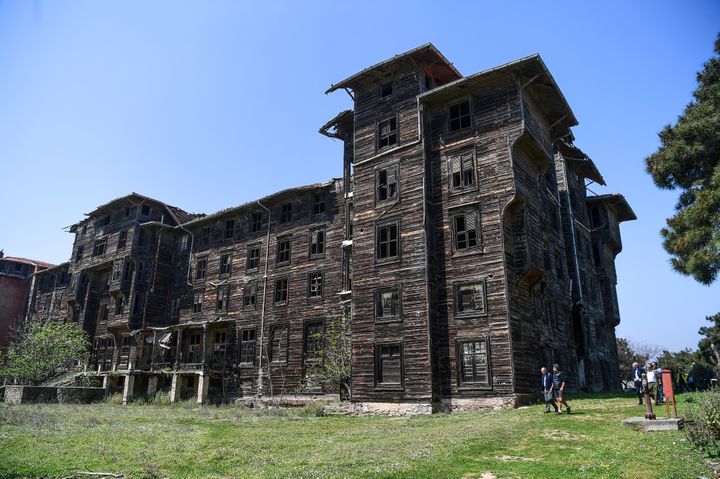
702 423
313 410
114 398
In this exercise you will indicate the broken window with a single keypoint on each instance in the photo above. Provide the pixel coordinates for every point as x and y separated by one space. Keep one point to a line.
194 348
459 116
387 304
256 221
313 343
317 242
219 344
461 170
387 132
386 89
250 295
226 263
117 269
465 230
229 229
281 291
386 240
315 284
319 203
130 211
387 183
80 252
201 268
278 344
122 240
197 302
145 210
223 297
388 364
253 257
283 250
469 299
286 213
473 362
99 248
105 220
247 347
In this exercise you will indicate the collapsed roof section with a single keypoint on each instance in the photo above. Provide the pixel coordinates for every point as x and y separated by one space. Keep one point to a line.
426 56
579 162
623 211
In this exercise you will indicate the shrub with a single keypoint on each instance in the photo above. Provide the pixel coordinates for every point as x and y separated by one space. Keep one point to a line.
313 410
702 423
114 398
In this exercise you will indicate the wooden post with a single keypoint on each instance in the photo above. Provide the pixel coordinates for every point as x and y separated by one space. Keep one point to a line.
174 389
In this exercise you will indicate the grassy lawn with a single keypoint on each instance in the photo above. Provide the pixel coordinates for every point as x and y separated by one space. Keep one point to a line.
148 441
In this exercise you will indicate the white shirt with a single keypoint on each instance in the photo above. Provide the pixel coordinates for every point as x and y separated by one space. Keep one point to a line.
650 375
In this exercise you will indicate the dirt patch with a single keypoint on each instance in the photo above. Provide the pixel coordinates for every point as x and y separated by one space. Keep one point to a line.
557 435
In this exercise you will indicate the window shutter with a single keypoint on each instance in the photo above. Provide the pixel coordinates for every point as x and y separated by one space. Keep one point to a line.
471 221
392 175
467 161
454 164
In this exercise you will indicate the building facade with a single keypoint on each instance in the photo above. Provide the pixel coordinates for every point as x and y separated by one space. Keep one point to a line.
461 241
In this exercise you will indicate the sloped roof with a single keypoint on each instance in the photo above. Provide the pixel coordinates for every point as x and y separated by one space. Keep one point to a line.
32 262
623 211
426 53
579 162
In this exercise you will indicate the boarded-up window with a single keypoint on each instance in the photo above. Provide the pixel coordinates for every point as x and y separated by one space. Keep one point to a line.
387 183
466 230
279 344
386 240
473 362
387 304
388 364
247 347
387 133
459 116
461 171
317 242
469 299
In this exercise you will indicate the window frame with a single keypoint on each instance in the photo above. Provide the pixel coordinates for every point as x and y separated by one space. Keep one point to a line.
250 286
456 298
281 302
319 203
461 156
377 353
100 242
251 247
204 261
197 306
314 231
122 240
461 128
464 211
382 88
320 296
459 363
241 350
273 330
388 166
307 324
283 218
229 229
256 226
229 266
225 290
379 136
278 241
388 259
376 303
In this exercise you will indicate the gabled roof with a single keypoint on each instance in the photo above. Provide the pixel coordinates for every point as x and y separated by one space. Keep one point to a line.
579 162
623 211
426 54
219 214
529 72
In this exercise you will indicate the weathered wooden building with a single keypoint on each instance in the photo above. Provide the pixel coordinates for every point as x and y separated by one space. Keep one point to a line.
461 239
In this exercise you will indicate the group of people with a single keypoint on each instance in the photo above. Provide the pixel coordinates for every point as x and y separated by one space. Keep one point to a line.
553 389
653 376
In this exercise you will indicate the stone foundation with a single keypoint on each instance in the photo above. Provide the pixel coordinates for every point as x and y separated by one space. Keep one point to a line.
454 404
51 394
390 408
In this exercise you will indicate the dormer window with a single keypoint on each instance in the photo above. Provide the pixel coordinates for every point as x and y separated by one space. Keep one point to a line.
145 211
386 89
460 116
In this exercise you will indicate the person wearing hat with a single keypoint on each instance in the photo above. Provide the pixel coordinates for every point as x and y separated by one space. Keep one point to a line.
559 389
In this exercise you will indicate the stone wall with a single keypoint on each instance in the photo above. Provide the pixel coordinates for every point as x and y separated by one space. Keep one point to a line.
45 394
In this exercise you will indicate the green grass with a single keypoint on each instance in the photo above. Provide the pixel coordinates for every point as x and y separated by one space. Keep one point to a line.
152 441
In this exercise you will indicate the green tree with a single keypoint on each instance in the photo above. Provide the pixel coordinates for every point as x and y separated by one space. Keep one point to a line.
634 352
332 372
709 345
43 351
689 160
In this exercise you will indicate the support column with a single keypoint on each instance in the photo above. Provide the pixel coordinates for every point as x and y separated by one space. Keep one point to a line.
128 388
202 390
175 389
152 385
106 382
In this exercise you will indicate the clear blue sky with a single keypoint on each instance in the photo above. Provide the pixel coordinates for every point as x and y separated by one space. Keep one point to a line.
206 105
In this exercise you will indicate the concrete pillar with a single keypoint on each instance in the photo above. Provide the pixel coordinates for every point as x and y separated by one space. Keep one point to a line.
202 388
128 388
175 389
152 385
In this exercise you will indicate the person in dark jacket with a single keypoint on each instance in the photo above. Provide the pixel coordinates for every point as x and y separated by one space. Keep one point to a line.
546 379
637 373
559 389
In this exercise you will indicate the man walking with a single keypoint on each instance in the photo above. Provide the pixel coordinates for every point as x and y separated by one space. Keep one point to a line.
547 389
637 373
651 375
559 389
